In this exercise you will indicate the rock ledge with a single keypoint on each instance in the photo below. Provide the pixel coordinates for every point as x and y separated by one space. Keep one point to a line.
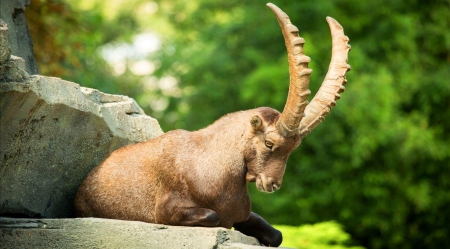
106 233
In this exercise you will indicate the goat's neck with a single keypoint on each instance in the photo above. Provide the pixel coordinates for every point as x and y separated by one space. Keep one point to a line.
225 141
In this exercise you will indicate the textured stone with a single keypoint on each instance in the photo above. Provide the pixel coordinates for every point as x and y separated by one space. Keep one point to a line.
12 12
53 132
5 50
105 233
13 69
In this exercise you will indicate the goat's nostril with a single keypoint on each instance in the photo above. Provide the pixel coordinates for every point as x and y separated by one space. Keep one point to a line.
274 186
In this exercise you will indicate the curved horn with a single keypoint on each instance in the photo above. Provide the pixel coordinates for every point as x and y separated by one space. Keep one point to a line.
333 83
299 72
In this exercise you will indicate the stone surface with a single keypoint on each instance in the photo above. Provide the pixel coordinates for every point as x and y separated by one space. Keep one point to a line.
13 69
105 233
5 50
12 12
53 132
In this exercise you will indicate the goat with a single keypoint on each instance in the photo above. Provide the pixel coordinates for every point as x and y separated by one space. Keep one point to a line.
200 178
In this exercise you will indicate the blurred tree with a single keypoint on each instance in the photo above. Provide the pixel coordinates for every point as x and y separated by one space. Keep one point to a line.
380 162
68 37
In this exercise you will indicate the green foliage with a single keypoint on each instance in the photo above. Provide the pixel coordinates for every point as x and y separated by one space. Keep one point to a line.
68 37
380 162
323 235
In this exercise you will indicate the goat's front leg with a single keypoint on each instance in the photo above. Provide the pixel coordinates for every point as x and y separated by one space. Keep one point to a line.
178 212
257 227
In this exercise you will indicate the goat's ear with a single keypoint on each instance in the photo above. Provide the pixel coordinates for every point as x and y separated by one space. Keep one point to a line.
256 123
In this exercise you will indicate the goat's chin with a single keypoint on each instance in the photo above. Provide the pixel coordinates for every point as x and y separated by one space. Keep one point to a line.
250 178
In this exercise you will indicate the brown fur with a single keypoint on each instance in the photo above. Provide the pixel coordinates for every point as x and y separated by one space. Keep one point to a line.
190 178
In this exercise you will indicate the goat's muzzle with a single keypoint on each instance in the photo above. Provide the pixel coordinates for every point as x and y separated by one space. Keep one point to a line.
267 184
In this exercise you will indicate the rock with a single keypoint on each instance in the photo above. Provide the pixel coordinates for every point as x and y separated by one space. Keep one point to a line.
12 12
106 233
53 132
13 69
5 50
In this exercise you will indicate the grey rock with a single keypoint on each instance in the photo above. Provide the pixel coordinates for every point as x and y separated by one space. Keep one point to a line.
53 132
13 69
106 233
12 12
5 50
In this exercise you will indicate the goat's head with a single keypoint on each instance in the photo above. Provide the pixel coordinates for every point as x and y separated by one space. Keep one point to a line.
275 135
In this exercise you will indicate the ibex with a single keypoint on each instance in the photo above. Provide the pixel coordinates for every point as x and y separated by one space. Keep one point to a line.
200 178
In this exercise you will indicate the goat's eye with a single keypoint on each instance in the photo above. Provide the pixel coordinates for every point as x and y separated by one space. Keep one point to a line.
269 144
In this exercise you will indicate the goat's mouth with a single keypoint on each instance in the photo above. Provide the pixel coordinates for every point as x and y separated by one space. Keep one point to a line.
266 185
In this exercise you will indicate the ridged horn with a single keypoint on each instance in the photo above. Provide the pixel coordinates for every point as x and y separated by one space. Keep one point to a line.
333 83
297 99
